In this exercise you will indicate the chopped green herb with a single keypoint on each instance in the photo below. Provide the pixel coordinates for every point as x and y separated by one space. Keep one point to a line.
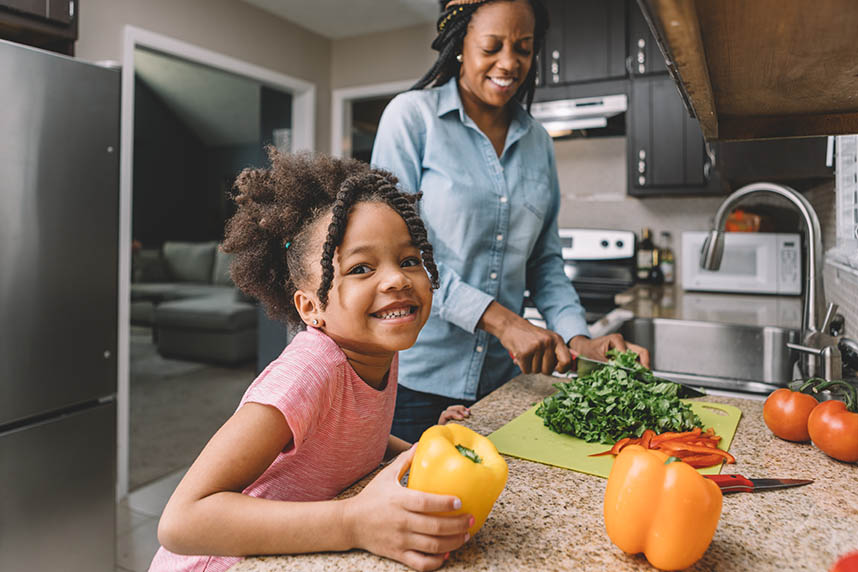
611 403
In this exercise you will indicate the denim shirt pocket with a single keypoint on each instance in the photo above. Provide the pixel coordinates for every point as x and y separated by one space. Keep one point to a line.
537 194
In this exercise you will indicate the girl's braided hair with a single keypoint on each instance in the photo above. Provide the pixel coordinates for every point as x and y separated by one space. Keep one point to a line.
452 27
271 233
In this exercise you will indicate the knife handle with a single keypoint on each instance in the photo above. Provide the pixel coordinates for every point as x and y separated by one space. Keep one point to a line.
732 483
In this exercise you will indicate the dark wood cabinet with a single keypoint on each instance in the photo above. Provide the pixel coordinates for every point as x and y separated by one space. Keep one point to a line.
644 57
666 151
46 24
586 41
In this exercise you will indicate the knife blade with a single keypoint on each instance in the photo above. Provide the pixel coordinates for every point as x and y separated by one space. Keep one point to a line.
587 365
741 484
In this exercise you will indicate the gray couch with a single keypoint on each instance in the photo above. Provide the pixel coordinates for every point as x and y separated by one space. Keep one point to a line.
185 294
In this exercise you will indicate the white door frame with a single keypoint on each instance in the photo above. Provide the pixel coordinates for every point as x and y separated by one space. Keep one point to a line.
341 111
303 138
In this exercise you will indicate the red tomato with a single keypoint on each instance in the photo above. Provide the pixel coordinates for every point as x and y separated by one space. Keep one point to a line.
785 413
846 563
834 429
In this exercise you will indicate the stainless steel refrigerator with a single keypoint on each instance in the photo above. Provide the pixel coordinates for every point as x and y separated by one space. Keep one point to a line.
59 196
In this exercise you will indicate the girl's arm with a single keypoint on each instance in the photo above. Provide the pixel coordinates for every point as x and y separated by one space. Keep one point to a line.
208 514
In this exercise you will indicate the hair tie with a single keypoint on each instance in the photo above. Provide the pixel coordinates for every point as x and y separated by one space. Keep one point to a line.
287 245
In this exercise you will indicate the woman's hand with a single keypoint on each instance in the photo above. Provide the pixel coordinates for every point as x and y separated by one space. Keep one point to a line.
597 348
457 412
533 349
390 520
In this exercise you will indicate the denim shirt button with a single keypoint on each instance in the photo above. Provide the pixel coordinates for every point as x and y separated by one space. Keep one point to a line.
479 348
504 199
493 275
500 237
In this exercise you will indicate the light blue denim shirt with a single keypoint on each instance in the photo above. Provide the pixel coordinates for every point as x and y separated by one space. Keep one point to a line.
492 222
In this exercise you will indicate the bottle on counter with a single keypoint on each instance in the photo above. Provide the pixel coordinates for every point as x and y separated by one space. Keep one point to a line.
667 262
655 276
645 252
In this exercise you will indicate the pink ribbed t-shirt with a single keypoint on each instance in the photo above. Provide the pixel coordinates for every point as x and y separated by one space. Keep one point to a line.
340 427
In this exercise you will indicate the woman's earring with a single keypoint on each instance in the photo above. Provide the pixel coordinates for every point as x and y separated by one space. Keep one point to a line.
315 322
459 58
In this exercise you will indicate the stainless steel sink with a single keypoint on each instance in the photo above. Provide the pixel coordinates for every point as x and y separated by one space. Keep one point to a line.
723 356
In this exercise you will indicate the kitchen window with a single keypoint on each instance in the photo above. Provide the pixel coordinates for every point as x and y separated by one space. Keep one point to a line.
845 252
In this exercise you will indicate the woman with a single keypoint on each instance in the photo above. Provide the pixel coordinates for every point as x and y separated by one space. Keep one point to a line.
490 203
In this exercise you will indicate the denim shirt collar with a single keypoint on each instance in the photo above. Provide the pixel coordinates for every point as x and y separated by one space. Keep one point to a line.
450 100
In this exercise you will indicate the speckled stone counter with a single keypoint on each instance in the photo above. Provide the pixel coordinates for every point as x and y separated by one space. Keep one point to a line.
551 519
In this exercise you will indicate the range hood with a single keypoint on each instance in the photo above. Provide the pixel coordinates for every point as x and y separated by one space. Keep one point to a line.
562 117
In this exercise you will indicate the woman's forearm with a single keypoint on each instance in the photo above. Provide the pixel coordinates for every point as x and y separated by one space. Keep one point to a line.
496 319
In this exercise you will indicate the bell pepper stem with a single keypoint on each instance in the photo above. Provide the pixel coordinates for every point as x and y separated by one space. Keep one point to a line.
469 454
850 392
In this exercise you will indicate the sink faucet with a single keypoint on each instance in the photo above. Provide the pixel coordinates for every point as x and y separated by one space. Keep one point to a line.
823 356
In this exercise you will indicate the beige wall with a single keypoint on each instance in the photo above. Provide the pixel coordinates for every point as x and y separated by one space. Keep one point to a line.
229 27
398 55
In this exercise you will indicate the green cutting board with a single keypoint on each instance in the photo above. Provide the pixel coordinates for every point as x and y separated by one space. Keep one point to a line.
526 437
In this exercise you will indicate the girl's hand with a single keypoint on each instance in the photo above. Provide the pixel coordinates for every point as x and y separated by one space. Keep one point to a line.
390 520
457 412
598 347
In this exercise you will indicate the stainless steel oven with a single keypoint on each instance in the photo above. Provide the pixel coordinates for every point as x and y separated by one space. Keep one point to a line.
600 263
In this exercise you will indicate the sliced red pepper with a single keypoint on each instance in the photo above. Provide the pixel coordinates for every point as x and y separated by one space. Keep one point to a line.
700 461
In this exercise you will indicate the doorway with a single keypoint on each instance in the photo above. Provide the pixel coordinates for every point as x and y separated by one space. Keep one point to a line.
208 116
355 113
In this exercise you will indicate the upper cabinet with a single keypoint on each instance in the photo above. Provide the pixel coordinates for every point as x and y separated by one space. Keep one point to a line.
762 69
585 42
644 57
585 49
46 24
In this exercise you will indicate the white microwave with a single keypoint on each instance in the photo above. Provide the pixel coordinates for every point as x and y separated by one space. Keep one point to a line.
753 262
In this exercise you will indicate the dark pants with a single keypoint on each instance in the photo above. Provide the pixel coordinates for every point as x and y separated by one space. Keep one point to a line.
417 411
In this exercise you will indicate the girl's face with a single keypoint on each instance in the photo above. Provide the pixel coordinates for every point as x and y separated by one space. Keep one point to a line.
498 51
380 295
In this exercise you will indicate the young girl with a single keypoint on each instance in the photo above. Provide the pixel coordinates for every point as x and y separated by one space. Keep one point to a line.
332 244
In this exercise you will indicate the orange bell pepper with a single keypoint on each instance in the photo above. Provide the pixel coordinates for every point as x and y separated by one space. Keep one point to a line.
660 506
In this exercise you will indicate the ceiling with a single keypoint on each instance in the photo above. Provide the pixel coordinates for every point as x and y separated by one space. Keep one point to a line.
336 19
219 107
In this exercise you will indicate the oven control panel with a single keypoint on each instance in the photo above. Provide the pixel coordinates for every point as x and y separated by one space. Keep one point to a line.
597 244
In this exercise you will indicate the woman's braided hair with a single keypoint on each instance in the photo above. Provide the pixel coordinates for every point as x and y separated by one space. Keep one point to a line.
271 233
453 25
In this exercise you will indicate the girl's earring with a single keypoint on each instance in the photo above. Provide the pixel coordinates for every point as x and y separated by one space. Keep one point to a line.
459 58
315 322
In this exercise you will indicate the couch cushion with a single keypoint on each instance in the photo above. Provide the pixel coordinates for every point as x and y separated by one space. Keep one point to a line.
190 261
148 266
211 313
165 291
220 274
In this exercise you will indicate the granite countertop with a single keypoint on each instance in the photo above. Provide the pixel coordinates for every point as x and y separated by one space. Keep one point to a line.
549 518
671 301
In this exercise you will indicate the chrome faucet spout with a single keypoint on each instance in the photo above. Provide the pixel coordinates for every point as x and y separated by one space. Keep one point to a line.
814 292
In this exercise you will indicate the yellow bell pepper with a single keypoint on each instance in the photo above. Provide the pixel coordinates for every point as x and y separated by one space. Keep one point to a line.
454 460
660 506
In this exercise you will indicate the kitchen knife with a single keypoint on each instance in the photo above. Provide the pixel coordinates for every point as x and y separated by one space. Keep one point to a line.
587 366
740 484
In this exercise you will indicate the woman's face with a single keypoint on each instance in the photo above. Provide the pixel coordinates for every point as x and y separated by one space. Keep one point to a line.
498 51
